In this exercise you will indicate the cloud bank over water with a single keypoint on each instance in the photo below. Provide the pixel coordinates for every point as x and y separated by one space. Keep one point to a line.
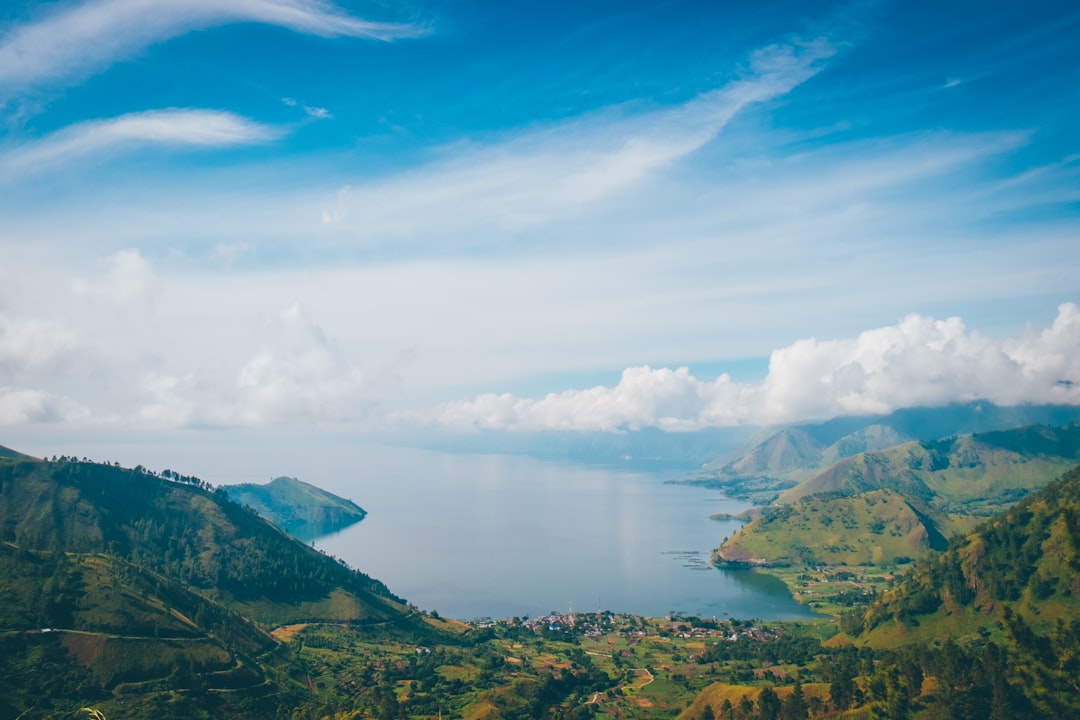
919 361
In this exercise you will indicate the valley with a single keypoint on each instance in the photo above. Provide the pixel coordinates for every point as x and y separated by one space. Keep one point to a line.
134 593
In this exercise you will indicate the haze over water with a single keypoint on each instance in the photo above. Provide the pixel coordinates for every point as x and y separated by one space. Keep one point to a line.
500 536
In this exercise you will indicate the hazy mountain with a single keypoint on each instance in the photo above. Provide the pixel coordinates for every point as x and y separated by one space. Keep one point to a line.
646 449
973 474
877 507
781 458
302 510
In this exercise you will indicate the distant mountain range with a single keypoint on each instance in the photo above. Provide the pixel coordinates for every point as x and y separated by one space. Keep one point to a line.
777 459
881 506
648 449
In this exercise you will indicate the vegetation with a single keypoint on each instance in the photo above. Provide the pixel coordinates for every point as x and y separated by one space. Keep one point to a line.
879 508
780 458
145 594
1023 564
302 510
129 594
181 529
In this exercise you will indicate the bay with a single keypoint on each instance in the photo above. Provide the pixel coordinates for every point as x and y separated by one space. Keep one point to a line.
499 536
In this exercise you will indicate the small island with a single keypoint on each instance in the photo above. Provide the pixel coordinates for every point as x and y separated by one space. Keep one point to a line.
300 509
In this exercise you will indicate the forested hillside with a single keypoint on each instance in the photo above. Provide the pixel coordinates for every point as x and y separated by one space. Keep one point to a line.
302 510
1024 562
180 528
153 595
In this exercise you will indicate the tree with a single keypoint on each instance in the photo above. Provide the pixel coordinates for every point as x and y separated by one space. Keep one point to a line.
888 694
794 707
768 705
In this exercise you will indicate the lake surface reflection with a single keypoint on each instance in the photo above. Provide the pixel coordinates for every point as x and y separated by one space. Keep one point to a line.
500 536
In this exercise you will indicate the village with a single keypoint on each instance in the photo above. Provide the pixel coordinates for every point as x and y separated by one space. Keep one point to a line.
571 625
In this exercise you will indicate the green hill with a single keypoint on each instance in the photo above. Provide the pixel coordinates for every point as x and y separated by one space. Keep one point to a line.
94 627
778 459
868 528
150 595
302 510
970 475
884 506
1024 562
184 531
8 453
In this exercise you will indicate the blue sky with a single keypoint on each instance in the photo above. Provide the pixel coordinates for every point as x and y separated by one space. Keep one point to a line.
528 215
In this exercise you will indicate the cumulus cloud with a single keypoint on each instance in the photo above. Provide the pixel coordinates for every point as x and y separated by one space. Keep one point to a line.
300 375
31 344
20 406
126 278
297 375
175 127
919 361
79 38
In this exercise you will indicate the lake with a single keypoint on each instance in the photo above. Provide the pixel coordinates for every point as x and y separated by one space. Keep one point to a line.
500 536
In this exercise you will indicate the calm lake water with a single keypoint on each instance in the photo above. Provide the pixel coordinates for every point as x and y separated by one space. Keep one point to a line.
500 536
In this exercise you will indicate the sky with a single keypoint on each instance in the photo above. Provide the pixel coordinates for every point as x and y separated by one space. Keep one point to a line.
345 216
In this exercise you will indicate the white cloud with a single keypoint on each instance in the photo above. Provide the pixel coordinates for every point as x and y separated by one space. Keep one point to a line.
176 127
80 38
918 362
297 375
126 278
31 344
548 175
20 406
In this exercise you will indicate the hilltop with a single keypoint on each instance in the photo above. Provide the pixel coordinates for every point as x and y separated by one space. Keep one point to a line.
893 505
777 459
180 528
126 587
1024 562
302 510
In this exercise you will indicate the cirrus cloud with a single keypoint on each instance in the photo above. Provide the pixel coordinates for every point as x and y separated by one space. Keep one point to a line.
173 127
80 38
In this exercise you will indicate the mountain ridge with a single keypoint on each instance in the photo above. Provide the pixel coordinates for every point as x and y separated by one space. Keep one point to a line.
833 518
778 459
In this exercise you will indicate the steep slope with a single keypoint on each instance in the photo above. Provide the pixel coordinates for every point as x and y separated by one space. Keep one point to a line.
973 475
302 510
872 527
787 450
1025 561
839 517
184 532
95 627
779 459
6 452
142 596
